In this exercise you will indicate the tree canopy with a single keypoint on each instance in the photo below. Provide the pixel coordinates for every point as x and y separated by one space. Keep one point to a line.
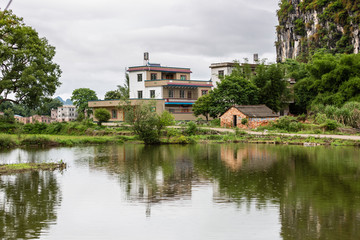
28 74
330 79
121 93
81 97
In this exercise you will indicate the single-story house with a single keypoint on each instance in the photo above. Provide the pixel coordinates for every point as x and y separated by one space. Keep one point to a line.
256 115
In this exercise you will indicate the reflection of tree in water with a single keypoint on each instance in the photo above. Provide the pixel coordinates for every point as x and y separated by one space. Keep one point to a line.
28 203
150 174
317 189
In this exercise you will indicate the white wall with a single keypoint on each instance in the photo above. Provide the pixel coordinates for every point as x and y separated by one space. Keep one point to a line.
158 92
215 71
136 86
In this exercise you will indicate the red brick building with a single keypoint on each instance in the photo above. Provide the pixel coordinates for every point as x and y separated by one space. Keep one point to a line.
256 115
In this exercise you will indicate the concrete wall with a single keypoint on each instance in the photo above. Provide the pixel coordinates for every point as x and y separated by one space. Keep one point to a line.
134 85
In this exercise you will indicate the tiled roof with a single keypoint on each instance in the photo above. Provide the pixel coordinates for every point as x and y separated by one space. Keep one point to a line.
256 111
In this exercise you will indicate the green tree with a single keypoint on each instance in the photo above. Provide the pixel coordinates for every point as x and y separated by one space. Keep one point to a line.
330 79
28 74
274 91
145 122
81 97
202 106
45 109
102 115
121 93
233 89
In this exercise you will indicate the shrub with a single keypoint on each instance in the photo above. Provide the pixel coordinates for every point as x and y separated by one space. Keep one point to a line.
215 122
6 142
320 118
191 128
102 115
330 124
244 121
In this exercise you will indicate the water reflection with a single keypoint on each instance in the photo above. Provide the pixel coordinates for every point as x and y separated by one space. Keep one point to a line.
317 189
27 204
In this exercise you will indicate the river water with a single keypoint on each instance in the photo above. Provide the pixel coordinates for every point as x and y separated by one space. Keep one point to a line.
204 191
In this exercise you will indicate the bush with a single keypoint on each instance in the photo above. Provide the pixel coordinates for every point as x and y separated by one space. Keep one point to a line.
191 128
244 121
330 125
6 142
288 123
215 122
320 118
102 115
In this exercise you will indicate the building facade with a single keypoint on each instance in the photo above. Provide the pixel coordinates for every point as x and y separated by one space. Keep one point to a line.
255 115
66 113
171 87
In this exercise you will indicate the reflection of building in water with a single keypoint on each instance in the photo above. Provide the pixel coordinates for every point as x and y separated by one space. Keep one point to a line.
148 175
251 157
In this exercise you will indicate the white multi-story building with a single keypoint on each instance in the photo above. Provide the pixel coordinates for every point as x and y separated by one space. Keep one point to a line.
64 113
170 87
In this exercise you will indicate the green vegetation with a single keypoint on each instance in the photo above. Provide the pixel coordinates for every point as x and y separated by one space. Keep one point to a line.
243 88
122 92
102 115
337 21
22 167
81 97
28 75
146 123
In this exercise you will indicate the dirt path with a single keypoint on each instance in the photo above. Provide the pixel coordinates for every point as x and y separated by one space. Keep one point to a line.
345 137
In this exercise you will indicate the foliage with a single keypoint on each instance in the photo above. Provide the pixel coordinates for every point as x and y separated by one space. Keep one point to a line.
233 89
244 121
121 93
332 79
191 128
6 142
144 121
289 124
348 114
48 105
330 124
81 97
274 91
28 74
102 115
215 122
203 105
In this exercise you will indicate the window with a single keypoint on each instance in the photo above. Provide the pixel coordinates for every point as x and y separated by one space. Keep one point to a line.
182 77
152 93
171 93
221 73
189 94
182 94
153 76
139 94
139 77
204 92
113 114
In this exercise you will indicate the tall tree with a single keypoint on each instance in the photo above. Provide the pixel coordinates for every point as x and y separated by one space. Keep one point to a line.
202 106
274 91
81 97
121 93
233 89
27 71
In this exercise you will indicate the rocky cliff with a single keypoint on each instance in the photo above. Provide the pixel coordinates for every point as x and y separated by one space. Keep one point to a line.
307 25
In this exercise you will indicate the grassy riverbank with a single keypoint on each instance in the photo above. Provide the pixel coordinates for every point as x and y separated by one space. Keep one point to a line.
177 136
44 140
22 167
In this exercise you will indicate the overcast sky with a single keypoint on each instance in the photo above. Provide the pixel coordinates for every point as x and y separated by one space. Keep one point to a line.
96 40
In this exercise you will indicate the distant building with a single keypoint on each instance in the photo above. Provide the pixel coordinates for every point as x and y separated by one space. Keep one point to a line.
256 115
33 119
66 113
